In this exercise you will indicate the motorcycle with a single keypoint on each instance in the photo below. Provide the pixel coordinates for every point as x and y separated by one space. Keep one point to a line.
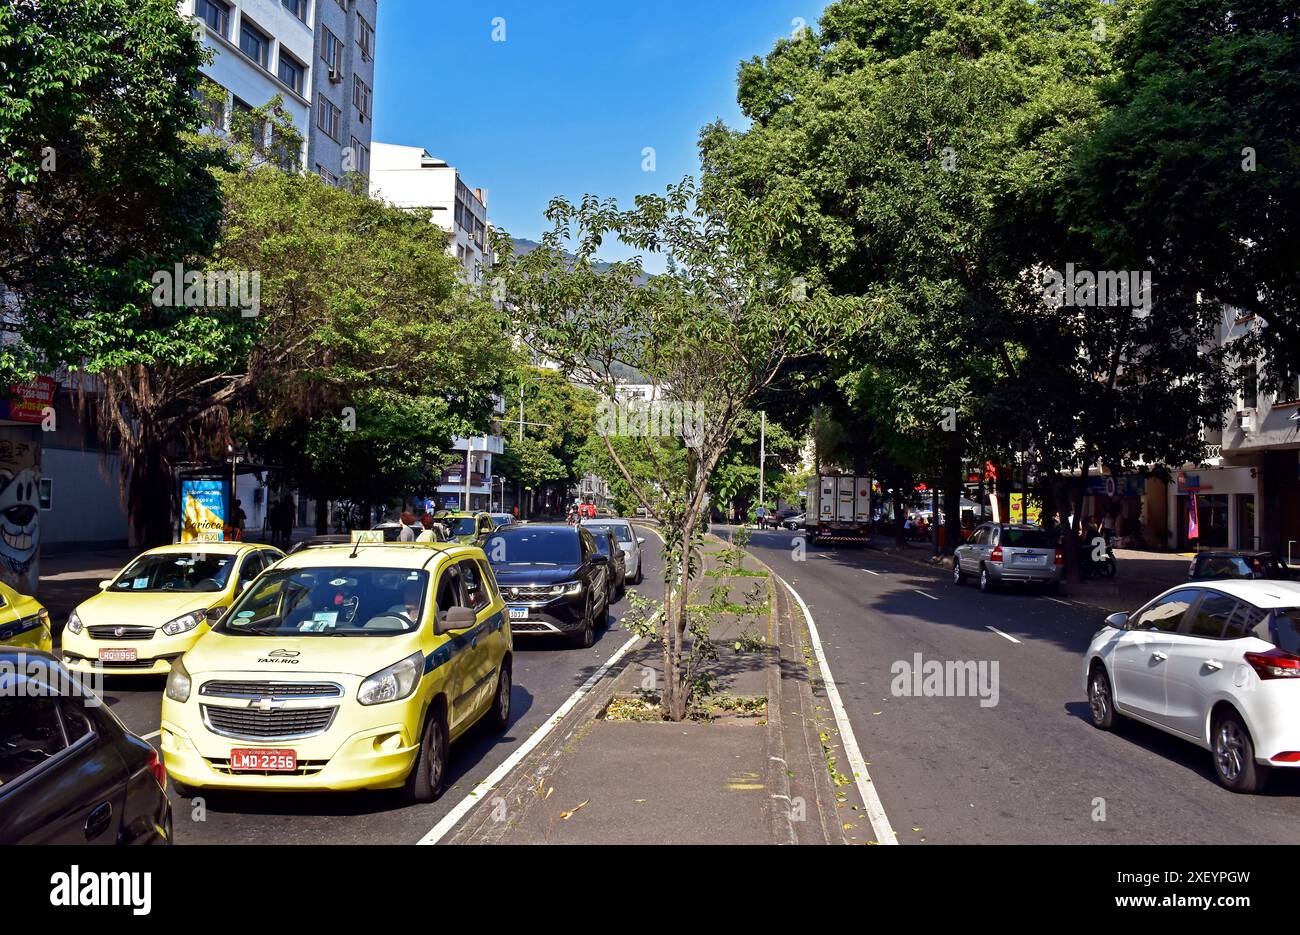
1094 566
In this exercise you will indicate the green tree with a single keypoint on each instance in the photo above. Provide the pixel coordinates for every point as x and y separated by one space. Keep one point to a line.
550 450
711 333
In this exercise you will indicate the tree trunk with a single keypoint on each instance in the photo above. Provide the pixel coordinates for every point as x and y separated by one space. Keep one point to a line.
322 516
953 487
149 494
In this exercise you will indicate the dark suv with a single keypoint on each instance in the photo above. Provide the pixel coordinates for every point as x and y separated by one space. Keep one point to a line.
553 577
1218 564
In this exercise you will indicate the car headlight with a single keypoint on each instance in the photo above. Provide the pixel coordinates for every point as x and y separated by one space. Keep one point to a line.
74 623
393 683
567 588
178 682
184 623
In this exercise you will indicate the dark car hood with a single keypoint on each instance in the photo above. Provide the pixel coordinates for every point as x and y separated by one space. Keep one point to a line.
508 575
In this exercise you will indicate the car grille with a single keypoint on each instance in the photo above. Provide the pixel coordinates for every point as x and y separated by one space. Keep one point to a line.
127 633
528 592
231 688
255 724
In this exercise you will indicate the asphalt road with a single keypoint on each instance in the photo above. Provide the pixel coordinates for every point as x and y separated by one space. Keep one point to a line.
1030 768
546 673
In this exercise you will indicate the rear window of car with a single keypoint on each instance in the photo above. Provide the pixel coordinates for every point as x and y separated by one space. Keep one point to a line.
1223 566
1284 631
1026 538
620 531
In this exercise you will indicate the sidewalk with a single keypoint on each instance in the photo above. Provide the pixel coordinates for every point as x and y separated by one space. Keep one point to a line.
753 772
1140 576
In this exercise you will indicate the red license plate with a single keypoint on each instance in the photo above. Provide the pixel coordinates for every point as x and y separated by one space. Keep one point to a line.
263 760
117 655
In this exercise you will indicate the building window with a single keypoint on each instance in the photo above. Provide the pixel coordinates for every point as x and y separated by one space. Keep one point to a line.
1249 386
285 156
291 72
360 157
331 52
213 102
255 44
1288 390
329 177
215 15
328 117
365 38
361 96
297 7
245 124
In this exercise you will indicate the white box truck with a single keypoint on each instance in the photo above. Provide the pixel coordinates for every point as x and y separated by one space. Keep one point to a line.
839 508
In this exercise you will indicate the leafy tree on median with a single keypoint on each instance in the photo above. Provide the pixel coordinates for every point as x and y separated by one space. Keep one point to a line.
712 333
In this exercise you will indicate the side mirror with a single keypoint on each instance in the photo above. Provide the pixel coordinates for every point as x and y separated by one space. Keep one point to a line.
103 585
598 559
215 614
457 618
640 540
1118 621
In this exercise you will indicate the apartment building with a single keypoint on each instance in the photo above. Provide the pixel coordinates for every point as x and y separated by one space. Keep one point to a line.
318 56
408 177
342 87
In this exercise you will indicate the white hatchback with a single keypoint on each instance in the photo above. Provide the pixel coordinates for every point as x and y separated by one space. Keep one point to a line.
1216 663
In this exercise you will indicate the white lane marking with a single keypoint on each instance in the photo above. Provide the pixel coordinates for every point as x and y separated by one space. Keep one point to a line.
1001 634
475 795
866 788
1057 600
923 594
157 733
870 572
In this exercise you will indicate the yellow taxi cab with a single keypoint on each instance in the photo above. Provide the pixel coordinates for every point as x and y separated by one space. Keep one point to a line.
24 622
344 667
159 605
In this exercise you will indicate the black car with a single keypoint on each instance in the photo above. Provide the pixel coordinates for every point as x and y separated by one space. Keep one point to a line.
554 579
70 773
1217 564
608 545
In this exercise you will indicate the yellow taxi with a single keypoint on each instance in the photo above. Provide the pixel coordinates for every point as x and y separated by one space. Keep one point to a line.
344 667
24 622
159 605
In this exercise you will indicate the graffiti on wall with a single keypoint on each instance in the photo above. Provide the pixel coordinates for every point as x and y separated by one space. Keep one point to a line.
20 481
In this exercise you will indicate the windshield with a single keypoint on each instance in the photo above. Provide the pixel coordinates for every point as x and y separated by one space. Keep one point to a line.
621 533
175 571
336 601
1286 630
532 546
462 526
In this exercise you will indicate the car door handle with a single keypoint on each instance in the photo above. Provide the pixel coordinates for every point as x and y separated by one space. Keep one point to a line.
98 820
1214 664
1159 656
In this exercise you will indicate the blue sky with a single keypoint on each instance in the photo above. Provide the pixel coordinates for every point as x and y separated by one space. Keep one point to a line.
566 104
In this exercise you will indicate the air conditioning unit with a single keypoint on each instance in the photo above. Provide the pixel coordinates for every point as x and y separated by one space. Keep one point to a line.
336 74
1246 419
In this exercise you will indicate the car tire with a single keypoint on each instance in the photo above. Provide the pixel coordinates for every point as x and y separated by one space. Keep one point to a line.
986 581
639 574
958 576
1234 755
498 718
585 637
424 784
1101 698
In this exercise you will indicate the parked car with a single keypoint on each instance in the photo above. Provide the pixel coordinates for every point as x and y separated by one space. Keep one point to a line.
794 522
159 606
628 541
1224 563
270 701
24 621
607 543
1217 664
1003 553
554 579
70 773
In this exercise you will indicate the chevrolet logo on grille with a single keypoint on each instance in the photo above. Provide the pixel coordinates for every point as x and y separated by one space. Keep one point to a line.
266 704
118 631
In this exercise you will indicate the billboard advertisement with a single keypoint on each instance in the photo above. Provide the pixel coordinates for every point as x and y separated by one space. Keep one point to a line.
203 508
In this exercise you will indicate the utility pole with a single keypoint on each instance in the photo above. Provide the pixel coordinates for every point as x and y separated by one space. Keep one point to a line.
762 453
469 464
